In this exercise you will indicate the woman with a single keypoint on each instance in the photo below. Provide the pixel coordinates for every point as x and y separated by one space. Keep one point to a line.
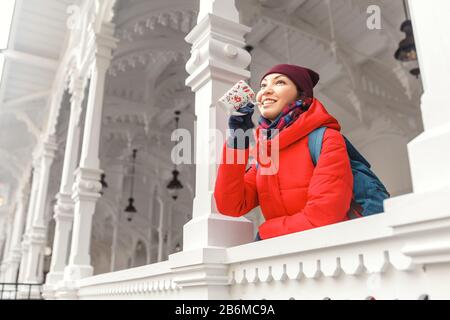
299 196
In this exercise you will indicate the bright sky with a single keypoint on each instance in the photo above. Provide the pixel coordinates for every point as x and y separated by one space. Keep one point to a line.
6 13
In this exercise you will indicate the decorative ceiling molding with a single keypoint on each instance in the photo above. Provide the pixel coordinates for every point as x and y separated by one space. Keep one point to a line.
356 94
140 10
143 52
175 19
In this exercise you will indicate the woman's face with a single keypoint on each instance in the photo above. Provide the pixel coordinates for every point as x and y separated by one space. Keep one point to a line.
277 90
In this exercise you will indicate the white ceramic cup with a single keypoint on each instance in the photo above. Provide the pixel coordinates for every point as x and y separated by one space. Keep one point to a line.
237 97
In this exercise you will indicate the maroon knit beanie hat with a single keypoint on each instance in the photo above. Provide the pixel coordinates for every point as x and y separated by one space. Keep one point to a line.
305 79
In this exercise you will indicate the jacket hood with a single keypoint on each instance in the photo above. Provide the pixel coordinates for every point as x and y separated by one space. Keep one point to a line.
315 117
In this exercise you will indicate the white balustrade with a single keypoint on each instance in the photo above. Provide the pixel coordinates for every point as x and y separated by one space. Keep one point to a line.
148 282
352 260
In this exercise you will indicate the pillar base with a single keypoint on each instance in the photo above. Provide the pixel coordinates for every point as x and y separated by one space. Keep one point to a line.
426 217
76 272
216 231
32 274
417 208
11 272
429 159
66 290
54 277
201 273
49 291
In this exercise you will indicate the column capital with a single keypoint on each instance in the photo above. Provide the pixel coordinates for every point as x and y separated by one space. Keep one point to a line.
100 45
217 52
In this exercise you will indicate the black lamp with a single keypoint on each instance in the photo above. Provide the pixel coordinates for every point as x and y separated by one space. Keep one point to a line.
130 209
103 182
249 48
406 51
174 185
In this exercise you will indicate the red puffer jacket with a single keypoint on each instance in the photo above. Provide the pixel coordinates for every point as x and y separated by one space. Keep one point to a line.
299 196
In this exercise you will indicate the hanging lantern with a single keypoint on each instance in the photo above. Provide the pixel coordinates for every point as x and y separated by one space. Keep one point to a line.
406 51
103 182
130 209
175 185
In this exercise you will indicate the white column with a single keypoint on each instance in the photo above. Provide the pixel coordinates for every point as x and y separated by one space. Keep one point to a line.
114 243
150 228
30 212
65 205
431 28
169 229
2 233
217 62
37 237
429 152
161 231
87 186
425 211
8 226
15 252
116 182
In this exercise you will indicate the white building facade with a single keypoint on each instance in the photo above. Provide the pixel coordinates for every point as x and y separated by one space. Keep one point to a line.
87 82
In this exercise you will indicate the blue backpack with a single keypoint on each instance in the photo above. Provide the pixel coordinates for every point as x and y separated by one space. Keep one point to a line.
368 191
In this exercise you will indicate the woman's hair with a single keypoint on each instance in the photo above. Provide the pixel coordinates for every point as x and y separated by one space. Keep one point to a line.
300 93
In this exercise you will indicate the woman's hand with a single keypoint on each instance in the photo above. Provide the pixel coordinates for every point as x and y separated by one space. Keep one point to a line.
239 139
243 122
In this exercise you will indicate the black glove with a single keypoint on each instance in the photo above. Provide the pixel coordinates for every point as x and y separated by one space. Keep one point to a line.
240 139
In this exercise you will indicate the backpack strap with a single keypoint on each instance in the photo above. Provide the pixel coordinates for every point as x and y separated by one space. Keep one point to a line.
354 154
315 139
